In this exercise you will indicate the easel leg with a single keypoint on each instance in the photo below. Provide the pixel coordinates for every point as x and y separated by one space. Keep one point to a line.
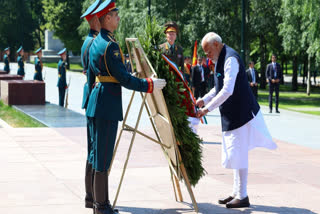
120 134
178 188
173 185
129 152
186 179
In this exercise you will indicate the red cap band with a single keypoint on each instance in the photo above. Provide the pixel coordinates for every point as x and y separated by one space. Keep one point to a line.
107 9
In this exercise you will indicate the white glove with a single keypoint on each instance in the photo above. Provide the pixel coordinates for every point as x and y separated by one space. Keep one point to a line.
159 83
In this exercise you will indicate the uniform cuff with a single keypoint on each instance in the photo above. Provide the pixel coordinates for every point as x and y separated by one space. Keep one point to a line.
150 85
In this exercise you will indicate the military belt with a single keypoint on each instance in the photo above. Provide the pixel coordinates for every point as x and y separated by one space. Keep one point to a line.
106 79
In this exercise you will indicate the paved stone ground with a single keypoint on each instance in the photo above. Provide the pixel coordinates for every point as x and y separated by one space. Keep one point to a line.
43 170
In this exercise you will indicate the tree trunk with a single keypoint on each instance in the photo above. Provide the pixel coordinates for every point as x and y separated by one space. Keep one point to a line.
309 76
305 67
295 73
263 63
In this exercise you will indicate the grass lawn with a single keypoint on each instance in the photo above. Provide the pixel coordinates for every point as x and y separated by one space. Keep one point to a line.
73 67
16 118
295 101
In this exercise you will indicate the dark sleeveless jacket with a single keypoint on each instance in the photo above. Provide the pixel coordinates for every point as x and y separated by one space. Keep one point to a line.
241 106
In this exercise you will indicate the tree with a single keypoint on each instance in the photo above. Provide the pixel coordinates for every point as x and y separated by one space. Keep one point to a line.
63 17
264 18
17 25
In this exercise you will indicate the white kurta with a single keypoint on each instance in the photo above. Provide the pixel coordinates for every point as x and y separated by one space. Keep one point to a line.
236 143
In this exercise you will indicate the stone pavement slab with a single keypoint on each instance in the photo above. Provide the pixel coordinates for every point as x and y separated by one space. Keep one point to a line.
42 171
53 115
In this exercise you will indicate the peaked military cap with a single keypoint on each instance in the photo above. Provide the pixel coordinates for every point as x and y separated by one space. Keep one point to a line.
7 49
18 51
171 27
105 7
37 51
88 14
62 51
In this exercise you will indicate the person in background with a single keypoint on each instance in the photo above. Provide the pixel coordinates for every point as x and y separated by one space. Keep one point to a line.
170 48
6 60
128 64
187 69
20 59
253 79
198 78
274 76
38 66
62 79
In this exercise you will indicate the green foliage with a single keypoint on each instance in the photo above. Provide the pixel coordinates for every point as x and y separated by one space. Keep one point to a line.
17 24
16 118
190 143
63 17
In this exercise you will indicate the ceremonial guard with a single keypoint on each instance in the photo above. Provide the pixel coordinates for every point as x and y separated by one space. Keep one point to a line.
170 48
105 101
6 60
38 66
94 30
62 79
20 52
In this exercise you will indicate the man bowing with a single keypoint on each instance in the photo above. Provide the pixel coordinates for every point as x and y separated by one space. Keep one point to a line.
243 126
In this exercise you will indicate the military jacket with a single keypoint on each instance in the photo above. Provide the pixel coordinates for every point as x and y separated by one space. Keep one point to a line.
20 66
175 54
106 60
38 69
6 63
85 64
62 79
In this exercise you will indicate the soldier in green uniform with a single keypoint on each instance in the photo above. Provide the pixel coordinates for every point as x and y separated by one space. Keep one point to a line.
94 30
38 66
6 60
20 52
105 101
62 79
170 48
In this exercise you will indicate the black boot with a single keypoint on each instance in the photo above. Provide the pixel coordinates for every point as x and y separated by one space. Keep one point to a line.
88 185
101 194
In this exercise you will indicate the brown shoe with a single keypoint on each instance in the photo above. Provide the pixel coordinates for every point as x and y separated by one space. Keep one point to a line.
225 200
237 203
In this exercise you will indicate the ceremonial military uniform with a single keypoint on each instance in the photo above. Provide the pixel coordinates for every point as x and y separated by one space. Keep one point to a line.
6 62
38 67
20 63
105 103
62 80
89 171
174 51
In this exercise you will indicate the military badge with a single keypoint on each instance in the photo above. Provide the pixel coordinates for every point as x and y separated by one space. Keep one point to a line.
116 54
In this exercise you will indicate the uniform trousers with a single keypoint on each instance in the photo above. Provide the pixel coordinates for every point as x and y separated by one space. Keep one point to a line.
62 93
105 137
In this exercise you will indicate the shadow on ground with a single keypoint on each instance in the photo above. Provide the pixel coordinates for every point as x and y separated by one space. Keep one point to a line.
207 208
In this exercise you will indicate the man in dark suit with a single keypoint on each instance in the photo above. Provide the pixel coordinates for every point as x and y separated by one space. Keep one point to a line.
274 76
199 74
253 79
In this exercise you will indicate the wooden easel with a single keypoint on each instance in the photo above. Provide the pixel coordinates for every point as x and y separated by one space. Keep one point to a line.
177 170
